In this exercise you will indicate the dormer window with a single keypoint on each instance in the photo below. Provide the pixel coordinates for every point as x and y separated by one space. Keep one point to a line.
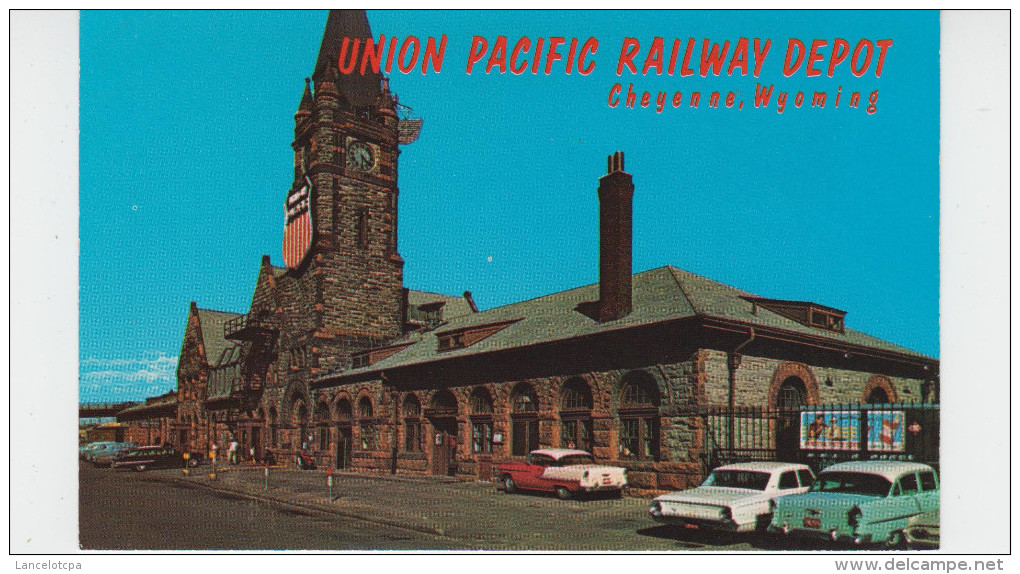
467 336
803 312
372 356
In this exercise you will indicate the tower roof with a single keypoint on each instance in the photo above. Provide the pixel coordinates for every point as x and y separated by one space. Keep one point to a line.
359 90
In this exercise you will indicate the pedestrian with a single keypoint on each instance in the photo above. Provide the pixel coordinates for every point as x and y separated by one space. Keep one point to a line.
232 451
251 454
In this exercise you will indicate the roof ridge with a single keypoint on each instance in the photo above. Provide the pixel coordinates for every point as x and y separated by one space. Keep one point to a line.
690 301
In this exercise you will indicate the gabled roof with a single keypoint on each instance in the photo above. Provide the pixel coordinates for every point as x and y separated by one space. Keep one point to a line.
659 295
212 333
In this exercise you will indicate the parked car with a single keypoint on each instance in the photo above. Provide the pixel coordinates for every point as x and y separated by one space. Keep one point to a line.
103 456
864 502
148 457
735 497
565 472
85 451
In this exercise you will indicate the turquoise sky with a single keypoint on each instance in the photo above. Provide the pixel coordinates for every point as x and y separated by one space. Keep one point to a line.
187 119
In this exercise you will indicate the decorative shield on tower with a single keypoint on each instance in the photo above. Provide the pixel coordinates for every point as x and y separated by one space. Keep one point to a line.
297 229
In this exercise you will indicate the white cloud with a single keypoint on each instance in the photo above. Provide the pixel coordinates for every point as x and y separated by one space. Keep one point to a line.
126 379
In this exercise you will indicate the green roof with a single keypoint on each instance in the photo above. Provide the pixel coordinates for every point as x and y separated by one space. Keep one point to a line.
454 306
212 333
659 295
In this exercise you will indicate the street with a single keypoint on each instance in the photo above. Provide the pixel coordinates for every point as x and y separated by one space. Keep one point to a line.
161 510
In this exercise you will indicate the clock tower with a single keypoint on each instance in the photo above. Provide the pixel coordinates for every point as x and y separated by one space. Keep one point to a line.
340 239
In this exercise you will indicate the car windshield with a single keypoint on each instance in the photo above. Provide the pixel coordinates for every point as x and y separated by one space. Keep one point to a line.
572 459
852 483
751 480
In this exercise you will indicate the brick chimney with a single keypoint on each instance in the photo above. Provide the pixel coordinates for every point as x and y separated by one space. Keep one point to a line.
616 190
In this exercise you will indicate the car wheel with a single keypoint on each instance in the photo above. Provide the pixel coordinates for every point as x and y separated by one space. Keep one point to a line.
192 462
898 541
140 468
562 493
508 484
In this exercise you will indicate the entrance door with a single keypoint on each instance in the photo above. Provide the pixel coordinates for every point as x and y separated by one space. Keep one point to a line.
256 442
444 446
343 447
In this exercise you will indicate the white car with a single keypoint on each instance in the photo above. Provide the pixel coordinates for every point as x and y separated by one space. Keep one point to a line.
735 497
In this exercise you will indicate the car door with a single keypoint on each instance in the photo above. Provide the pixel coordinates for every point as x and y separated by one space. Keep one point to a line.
537 463
904 503
928 498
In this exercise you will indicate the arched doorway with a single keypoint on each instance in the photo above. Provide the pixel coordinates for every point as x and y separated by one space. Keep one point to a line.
343 433
442 415
792 395
523 420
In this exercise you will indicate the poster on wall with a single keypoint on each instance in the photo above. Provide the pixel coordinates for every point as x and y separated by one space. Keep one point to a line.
885 431
836 430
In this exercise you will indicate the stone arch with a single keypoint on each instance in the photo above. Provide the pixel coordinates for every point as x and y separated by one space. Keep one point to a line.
443 399
879 384
524 398
343 407
638 380
576 393
410 406
790 370
365 407
294 395
480 401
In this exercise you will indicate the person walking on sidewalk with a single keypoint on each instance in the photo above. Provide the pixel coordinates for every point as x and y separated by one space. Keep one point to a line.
232 451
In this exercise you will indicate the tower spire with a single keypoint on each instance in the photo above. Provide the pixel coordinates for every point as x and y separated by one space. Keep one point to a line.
359 90
305 108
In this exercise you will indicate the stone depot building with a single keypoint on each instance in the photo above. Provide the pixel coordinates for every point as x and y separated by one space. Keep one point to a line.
338 357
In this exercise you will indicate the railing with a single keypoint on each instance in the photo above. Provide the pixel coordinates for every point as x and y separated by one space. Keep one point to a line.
243 325
820 435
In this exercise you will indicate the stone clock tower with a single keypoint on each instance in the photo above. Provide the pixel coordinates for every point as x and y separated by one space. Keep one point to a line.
345 177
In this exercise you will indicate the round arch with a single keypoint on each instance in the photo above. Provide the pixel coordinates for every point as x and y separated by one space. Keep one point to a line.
876 386
789 370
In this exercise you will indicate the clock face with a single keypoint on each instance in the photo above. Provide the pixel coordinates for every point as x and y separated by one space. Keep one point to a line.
360 156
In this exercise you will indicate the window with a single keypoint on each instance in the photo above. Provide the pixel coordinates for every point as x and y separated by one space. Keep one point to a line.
481 421
928 482
576 433
576 425
523 420
806 478
639 417
412 424
366 423
791 393
788 480
877 396
481 437
542 460
908 484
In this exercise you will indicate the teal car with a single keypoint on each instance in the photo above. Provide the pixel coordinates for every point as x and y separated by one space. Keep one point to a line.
867 502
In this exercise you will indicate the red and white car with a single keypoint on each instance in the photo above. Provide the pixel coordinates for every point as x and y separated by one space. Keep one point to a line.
562 471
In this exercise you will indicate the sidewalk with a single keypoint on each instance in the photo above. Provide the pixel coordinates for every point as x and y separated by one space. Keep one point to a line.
473 512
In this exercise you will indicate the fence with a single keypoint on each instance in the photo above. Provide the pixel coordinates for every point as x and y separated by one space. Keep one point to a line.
821 435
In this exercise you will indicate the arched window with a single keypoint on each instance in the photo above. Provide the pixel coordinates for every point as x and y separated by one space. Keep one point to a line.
524 420
366 423
364 408
639 416
412 423
877 396
792 394
575 415
322 424
301 421
481 421
274 435
343 410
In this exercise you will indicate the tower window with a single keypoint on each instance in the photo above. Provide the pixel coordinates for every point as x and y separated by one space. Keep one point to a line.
363 228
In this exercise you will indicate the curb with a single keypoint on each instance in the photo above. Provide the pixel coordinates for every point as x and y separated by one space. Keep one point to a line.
320 508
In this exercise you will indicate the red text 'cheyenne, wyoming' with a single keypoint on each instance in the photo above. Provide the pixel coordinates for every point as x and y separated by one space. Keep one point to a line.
654 56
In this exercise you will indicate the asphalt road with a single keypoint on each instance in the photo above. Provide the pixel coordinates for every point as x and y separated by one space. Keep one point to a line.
135 511
157 510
